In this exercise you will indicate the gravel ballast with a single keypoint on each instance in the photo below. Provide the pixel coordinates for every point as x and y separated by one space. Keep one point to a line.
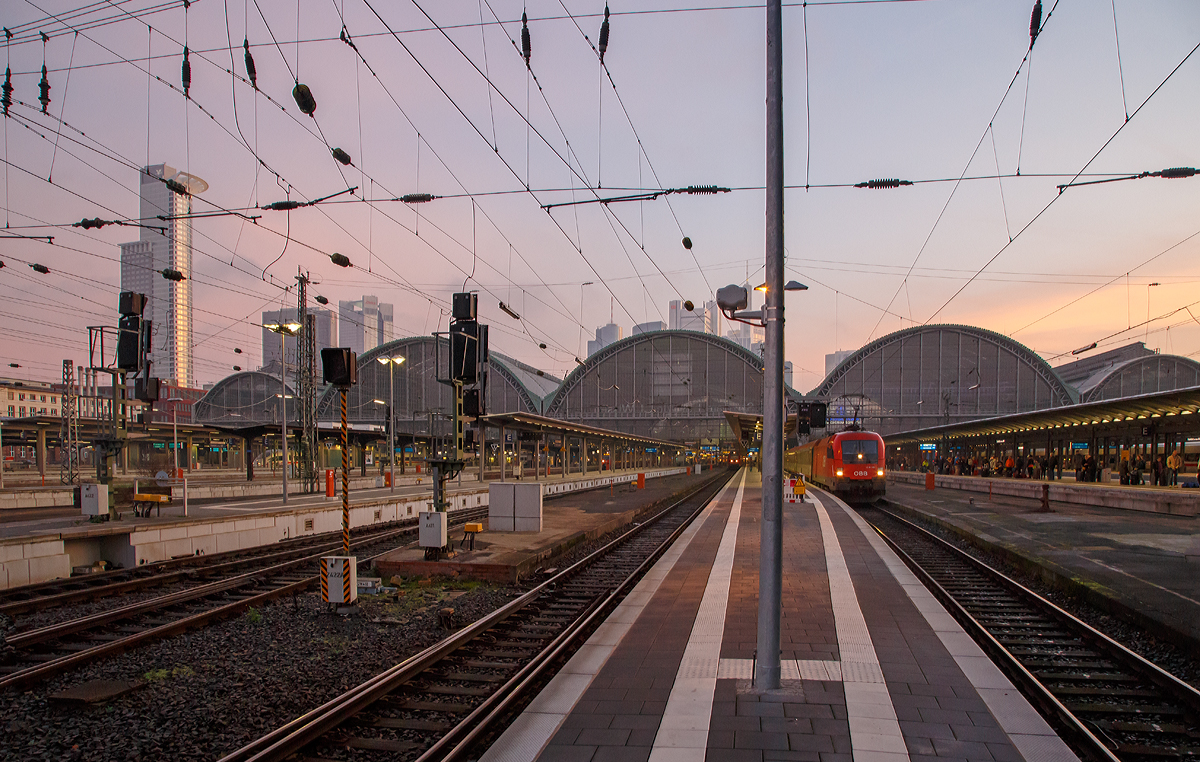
209 692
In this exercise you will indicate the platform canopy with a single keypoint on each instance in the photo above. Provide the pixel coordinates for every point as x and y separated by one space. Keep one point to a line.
540 423
1174 411
747 428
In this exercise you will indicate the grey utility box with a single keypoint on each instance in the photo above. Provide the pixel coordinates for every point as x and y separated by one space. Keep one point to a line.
93 499
515 507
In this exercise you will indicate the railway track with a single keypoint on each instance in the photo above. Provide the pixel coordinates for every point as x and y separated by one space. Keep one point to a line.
37 654
441 702
1107 702
60 592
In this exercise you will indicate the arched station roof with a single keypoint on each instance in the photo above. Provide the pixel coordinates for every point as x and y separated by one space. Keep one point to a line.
937 374
672 385
243 400
1143 375
513 387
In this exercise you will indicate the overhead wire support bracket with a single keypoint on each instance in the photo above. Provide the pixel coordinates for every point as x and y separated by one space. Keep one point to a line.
97 223
287 206
1171 173
694 190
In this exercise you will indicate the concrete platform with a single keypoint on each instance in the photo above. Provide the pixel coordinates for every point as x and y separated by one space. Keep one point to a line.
874 668
566 522
1144 565
1177 501
45 549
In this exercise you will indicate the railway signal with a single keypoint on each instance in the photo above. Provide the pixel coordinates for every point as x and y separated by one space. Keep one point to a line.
339 573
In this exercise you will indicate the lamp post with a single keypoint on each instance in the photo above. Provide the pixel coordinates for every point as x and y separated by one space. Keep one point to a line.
284 330
391 362
733 301
391 442
175 431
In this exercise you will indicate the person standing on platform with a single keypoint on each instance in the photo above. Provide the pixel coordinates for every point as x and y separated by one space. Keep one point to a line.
1156 471
1174 463
1124 469
1139 465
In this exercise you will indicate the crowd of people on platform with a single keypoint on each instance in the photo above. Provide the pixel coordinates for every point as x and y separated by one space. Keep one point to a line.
1134 468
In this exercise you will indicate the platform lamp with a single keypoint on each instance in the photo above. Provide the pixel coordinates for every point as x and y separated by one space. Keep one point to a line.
391 362
284 330
175 431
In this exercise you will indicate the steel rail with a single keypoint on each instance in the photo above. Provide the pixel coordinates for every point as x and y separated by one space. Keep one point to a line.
24 640
1011 664
304 730
210 566
519 686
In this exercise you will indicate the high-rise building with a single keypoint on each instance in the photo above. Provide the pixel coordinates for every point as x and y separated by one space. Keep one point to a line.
653 325
682 319
834 359
364 324
326 334
714 318
605 335
787 372
752 337
169 302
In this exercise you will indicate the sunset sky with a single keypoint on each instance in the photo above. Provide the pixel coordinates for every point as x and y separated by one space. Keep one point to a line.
925 91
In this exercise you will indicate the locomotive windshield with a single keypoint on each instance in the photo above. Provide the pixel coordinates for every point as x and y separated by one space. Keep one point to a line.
860 451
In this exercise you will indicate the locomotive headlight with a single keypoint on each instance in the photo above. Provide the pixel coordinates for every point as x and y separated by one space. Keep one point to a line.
838 472
879 472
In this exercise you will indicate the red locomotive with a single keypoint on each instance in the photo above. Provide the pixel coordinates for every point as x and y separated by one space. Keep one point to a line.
849 464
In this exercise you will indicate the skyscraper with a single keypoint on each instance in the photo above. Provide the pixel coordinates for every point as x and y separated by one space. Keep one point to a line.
326 334
169 303
682 319
605 335
364 324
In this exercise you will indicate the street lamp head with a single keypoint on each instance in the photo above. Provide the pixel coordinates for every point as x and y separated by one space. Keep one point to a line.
794 285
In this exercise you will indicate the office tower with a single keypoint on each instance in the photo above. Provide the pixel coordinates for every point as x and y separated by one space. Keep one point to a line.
682 319
787 373
653 325
834 359
169 303
326 334
712 314
364 324
605 335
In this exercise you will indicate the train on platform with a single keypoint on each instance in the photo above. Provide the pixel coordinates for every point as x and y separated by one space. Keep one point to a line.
849 464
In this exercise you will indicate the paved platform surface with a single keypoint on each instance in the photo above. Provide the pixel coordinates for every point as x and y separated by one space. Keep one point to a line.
1147 562
874 669
566 521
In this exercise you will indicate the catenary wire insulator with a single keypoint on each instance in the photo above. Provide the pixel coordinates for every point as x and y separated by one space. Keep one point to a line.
40 269
341 156
1176 172
526 46
701 189
417 198
44 87
177 187
174 275
251 72
1035 23
282 206
346 39
304 98
87 224
885 183
186 74
6 91
604 34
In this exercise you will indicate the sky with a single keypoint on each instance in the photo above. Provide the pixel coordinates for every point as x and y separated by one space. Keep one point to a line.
944 93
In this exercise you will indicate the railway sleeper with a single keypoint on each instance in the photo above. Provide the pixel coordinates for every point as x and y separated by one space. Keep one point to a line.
1120 726
417 705
451 690
1111 677
1083 690
407 723
379 744
474 677
1174 752
1097 707
481 664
